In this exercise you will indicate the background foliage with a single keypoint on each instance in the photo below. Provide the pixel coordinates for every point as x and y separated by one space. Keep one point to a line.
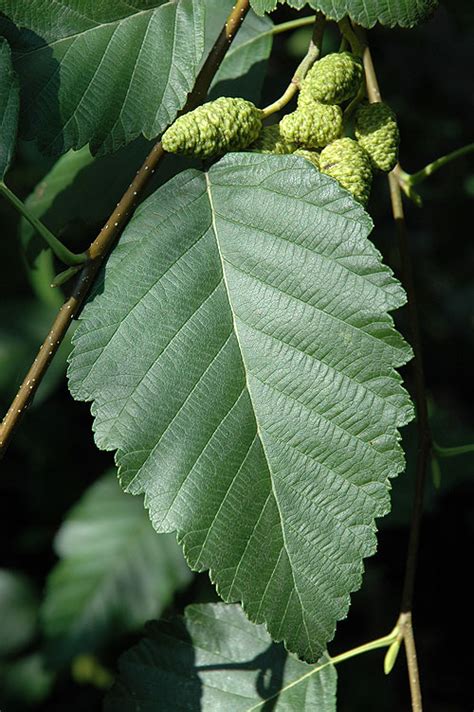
53 460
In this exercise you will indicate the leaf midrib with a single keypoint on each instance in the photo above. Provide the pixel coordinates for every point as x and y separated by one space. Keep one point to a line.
258 430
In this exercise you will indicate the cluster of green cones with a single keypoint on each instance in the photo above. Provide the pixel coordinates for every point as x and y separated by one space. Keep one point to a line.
316 130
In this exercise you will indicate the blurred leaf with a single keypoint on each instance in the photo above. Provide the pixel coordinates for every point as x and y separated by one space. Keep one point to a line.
9 106
18 612
102 73
215 659
76 197
23 325
243 70
364 12
25 681
114 572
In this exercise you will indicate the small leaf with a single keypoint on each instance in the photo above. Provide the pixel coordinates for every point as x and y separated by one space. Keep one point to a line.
9 107
114 574
363 12
214 659
102 72
241 360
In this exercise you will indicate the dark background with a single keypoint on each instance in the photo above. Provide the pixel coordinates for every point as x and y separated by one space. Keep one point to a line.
427 76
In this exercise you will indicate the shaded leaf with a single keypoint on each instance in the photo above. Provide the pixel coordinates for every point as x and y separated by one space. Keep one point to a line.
23 324
406 13
9 107
18 612
214 659
102 73
240 359
114 572
243 70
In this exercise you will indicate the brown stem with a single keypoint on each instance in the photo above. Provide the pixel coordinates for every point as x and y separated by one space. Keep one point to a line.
406 629
424 434
100 247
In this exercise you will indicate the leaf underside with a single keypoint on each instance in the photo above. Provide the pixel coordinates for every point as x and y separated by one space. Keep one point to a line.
405 13
114 573
9 106
102 72
214 659
240 359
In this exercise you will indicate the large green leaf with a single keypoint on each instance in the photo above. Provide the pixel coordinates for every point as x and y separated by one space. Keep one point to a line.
240 359
114 572
102 72
214 659
9 106
405 13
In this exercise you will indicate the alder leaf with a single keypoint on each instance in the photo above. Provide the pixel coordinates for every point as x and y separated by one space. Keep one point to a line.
240 359
9 106
405 13
114 572
102 72
214 659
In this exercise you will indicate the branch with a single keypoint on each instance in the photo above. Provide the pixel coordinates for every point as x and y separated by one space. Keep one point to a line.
313 53
408 180
101 246
424 434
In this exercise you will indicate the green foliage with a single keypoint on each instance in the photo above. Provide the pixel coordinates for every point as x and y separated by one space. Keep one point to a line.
243 70
18 612
214 659
102 72
364 12
259 413
9 106
114 572
23 324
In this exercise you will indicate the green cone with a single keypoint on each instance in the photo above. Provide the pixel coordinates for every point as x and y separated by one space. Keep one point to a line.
377 131
347 162
226 124
311 156
334 79
270 140
312 126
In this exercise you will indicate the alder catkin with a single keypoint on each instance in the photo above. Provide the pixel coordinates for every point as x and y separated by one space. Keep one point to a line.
312 126
270 140
226 124
347 162
311 156
377 131
333 79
